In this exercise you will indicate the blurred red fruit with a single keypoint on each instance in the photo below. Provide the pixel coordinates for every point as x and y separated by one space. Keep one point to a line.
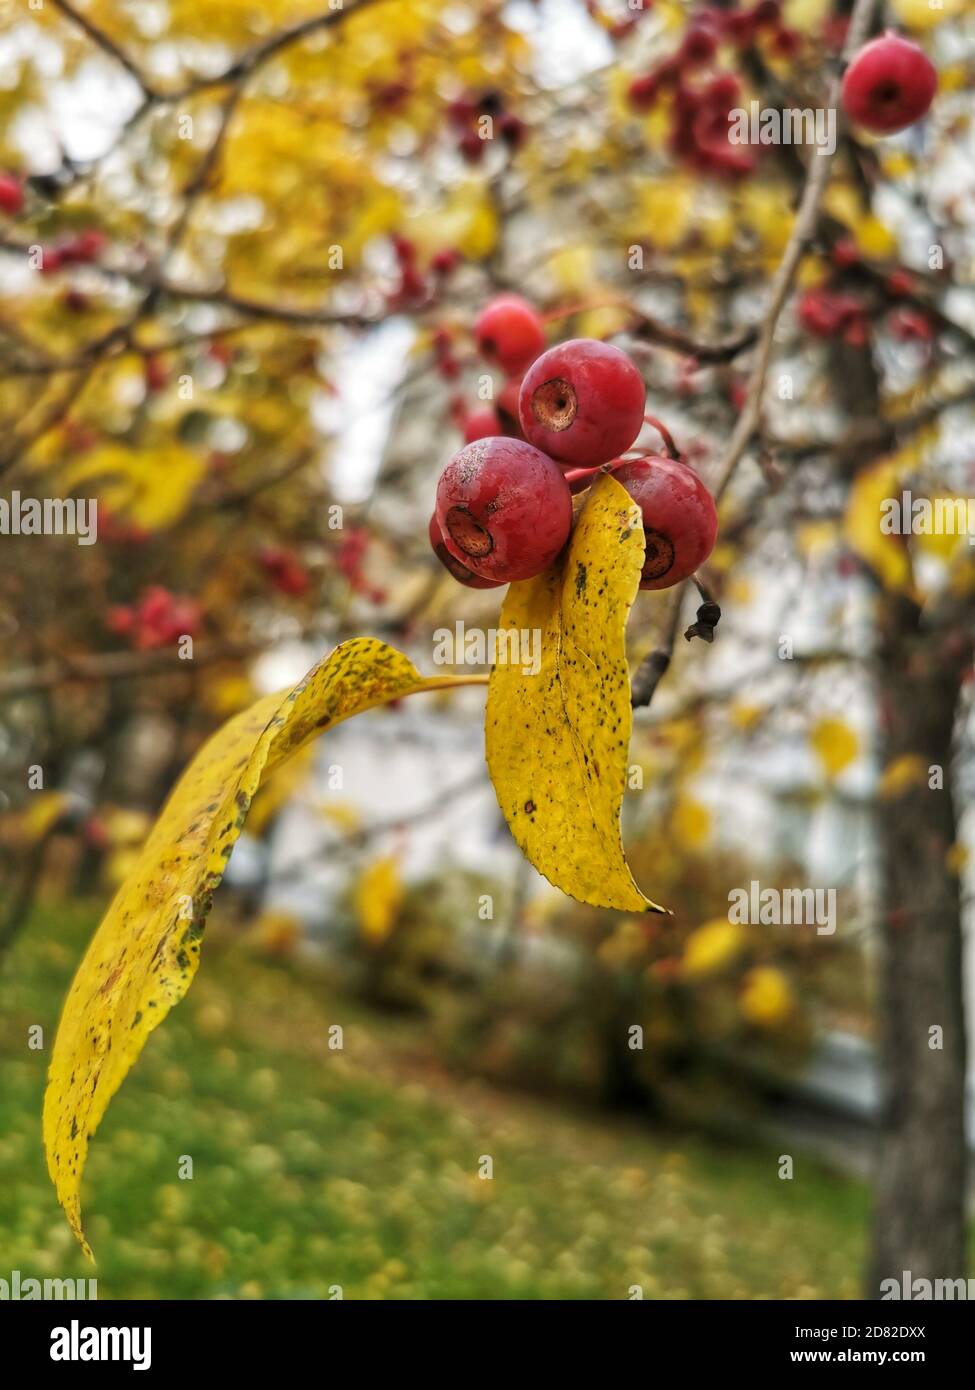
11 195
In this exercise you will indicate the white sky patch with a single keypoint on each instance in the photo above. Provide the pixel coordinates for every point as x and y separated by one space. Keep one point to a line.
90 108
360 413
567 43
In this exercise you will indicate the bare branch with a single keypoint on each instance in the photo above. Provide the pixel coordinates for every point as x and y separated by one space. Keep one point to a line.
106 44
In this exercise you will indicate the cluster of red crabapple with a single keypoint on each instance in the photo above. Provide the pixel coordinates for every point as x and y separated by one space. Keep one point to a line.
504 503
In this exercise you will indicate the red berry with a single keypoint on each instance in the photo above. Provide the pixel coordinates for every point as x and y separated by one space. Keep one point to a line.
680 521
824 313
445 262
87 246
11 195
739 26
504 509
907 325
512 130
471 147
642 93
845 253
582 402
154 373
403 249
286 573
460 572
119 619
899 282
889 85
509 332
856 334
767 13
481 424
699 46
786 42
461 111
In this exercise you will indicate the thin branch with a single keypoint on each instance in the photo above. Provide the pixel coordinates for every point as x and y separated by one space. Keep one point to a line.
107 666
245 66
653 667
106 44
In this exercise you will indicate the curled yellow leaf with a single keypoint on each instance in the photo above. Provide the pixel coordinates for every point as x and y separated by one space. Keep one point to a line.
142 959
557 739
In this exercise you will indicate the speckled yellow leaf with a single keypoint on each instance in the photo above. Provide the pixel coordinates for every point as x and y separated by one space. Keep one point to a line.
558 741
145 953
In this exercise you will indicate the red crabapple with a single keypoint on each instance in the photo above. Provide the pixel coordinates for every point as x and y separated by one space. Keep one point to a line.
889 85
481 424
504 509
582 402
509 332
460 572
680 521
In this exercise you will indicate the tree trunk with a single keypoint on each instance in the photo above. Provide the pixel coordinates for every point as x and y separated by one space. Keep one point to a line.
919 1216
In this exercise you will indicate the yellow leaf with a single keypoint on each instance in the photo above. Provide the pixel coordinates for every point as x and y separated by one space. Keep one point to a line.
38 817
909 770
142 959
835 745
922 14
949 531
691 822
378 899
956 858
278 790
886 554
345 815
571 268
712 946
557 742
766 999
276 932
151 487
816 538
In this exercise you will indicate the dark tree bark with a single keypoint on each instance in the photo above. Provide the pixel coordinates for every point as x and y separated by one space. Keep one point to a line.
919 1215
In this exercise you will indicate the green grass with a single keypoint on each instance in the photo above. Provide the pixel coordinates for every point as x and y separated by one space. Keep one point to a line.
315 1168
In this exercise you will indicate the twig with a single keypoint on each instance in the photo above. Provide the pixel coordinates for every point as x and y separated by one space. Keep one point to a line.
106 666
649 673
106 44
